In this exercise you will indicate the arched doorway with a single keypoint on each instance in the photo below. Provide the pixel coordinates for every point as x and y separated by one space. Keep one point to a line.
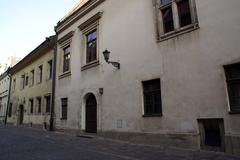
21 114
91 114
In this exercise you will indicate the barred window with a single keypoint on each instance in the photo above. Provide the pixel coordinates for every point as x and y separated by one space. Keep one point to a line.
233 84
152 98
64 108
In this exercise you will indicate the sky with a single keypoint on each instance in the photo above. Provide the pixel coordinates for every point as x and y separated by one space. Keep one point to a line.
24 24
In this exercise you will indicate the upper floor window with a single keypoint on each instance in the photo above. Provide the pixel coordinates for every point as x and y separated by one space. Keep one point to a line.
91 47
66 58
32 77
90 39
22 85
14 85
40 73
50 69
175 17
152 98
233 85
26 80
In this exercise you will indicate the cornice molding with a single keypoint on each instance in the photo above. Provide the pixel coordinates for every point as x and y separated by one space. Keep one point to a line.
91 20
82 11
66 37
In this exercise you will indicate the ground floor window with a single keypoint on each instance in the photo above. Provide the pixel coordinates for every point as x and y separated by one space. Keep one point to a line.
233 85
152 97
48 103
10 110
64 108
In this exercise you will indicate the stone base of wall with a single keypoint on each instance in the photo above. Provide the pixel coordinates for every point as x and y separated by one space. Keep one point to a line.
188 141
232 144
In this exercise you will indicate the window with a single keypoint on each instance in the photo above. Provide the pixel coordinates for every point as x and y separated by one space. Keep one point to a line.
48 103
211 134
39 104
175 17
40 69
66 58
90 38
26 81
91 47
31 106
64 108
32 77
22 82
14 85
152 98
233 85
50 69
10 110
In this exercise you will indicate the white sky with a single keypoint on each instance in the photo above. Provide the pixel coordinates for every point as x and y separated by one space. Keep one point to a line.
26 23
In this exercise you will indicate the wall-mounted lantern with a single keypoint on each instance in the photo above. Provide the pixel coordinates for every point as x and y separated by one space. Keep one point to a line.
106 54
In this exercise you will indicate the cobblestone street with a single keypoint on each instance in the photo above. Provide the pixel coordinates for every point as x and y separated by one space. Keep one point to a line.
34 144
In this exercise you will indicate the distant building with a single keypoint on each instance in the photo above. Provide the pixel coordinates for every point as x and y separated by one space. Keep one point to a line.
10 62
31 86
4 95
178 83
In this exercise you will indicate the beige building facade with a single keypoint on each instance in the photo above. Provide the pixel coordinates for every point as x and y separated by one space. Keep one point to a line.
30 100
179 61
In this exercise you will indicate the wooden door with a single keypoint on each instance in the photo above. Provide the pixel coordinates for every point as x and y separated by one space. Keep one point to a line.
91 114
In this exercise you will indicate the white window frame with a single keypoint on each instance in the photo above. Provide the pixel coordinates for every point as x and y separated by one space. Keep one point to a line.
161 35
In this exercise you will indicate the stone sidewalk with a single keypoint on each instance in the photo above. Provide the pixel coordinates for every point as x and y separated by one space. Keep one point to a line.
34 144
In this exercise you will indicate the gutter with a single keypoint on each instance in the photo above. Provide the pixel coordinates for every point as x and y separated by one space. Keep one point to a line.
52 114
9 93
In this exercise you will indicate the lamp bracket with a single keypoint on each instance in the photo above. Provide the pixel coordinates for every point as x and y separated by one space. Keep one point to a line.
115 64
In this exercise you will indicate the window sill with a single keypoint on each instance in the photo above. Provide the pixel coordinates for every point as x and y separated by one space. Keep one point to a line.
65 74
178 32
63 119
90 65
152 115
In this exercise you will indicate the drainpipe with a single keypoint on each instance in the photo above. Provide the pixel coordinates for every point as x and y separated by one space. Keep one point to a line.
9 93
51 121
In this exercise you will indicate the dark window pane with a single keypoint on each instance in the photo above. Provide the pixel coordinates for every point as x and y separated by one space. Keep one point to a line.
64 108
152 97
233 81
10 110
39 104
31 105
92 36
66 59
167 19
40 73
184 13
163 2
48 103
50 69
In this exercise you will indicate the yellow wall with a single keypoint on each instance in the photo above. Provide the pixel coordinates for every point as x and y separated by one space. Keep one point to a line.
22 96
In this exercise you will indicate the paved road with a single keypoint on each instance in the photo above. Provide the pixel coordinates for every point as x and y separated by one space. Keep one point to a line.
34 144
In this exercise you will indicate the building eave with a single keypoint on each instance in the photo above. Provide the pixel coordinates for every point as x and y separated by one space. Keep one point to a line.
39 51
79 13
